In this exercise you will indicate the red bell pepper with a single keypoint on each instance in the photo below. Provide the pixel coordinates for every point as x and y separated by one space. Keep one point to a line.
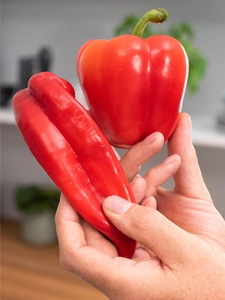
134 86
70 147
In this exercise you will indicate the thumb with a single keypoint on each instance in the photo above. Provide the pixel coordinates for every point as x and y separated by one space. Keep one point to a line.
150 228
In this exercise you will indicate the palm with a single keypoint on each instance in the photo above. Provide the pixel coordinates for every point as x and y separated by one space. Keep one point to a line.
197 216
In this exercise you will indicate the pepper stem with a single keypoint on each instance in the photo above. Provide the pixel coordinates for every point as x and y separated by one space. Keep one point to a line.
154 15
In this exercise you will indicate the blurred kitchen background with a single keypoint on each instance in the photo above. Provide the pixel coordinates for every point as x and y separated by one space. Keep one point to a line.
52 32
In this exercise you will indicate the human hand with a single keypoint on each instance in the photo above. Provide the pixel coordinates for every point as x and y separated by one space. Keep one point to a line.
167 272
180 265
189 205
131 162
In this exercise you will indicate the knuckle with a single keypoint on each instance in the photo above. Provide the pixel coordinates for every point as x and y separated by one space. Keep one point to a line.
141 219
64 263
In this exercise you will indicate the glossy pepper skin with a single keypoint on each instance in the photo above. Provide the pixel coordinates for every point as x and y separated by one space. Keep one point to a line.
70 147
133 86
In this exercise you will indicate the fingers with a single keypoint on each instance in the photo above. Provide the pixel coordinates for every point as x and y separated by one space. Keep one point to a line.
96 240
138 185
188 179
67 218
159 174
76 256
140 153
150 202
150 228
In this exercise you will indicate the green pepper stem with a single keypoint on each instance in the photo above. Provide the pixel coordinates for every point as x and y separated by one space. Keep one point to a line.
154 15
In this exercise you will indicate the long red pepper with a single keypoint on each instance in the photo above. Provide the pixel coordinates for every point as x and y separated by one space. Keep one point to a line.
70 147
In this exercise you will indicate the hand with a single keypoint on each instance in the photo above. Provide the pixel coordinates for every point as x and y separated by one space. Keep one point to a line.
189 205
131 163
169 268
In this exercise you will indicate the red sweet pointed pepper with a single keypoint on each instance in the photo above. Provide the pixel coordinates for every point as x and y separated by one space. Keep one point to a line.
134 86
70 147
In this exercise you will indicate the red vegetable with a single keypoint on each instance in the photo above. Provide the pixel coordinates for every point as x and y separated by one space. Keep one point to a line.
134 86
72 150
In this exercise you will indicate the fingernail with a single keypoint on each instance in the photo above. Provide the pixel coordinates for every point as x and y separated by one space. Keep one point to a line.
189 124
149 139
117 205
170 159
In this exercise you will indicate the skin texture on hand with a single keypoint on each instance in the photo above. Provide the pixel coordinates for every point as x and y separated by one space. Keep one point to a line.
180 234
189 205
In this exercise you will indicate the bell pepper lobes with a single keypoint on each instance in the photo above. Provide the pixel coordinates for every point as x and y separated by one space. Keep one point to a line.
134 86
70 147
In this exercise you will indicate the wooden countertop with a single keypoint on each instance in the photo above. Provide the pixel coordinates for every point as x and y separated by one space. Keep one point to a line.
31 273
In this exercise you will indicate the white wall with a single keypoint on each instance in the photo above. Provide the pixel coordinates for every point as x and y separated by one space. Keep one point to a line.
66 25
26 25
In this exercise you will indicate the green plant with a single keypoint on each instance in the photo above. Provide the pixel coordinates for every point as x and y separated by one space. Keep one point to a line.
184 33
35 199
